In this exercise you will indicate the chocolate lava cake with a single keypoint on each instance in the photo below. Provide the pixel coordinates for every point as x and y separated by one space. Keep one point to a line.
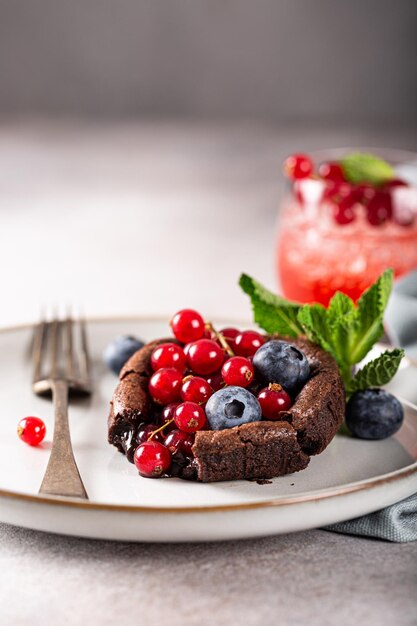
255 450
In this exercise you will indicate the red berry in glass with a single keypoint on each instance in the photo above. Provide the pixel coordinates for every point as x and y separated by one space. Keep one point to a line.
331 171
31 430
238 371
247 343
338 190
379 209
187 325
274 400
179 441
344 213
394 182
168 355
204 356
364 192
146 431
230 335
190 417
298 166
152 459
165 385
196 389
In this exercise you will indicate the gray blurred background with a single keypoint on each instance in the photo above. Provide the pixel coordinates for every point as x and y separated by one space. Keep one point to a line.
141 140
326 61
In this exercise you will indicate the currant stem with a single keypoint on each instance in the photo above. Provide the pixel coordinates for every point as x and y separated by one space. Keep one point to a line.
221 338
158 430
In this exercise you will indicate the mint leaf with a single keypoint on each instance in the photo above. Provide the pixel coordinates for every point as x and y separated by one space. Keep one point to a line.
340 306
272 313
366 168
367 327
377 372
313 318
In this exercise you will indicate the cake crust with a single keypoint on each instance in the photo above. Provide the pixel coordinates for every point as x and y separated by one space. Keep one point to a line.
258 450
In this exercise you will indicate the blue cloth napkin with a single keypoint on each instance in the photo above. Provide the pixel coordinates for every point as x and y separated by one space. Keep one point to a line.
397 522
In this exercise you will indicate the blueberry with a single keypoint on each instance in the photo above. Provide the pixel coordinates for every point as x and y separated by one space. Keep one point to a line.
373 414
119 351
232 406
280 362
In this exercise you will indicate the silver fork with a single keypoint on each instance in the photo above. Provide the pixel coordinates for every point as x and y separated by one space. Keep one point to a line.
61 368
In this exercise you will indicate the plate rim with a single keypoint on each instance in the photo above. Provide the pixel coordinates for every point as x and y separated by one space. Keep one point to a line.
316 495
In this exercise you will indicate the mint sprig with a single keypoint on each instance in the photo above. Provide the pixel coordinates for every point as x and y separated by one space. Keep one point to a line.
377 372
360 167
346 330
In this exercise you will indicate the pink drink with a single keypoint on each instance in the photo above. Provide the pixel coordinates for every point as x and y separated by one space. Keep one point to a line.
318 254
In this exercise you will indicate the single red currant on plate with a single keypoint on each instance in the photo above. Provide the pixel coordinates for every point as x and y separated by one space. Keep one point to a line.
168 355
152 459
190 417
204 356
247 342
31 430
187 325
238 371
165 385
298 166
274 400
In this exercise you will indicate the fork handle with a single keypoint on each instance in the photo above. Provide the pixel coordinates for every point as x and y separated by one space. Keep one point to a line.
62 477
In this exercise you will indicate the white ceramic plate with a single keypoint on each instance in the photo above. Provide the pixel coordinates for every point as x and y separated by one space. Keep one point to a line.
350 478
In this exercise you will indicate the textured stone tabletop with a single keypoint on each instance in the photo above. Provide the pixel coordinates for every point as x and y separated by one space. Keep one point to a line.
316 578
145 218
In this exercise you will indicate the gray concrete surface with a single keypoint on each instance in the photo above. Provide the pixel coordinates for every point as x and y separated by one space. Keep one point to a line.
316 578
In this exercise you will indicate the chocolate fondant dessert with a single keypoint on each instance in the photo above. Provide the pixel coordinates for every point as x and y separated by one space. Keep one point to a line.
255 450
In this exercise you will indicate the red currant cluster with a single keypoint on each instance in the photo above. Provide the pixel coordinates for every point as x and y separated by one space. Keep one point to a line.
186 373
344 197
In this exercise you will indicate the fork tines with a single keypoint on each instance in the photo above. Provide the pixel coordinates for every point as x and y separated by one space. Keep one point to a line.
60 352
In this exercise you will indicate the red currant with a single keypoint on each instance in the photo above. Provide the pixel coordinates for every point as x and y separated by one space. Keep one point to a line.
298 166
204 356
168 355
31 430
146 431
394 182
168 412
152 459
196 389
190 417
274 401
238 371
216 381
247 342
178 441
364 192
379 209
337 190
343 212
165 385
187 325
331 171
230 335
